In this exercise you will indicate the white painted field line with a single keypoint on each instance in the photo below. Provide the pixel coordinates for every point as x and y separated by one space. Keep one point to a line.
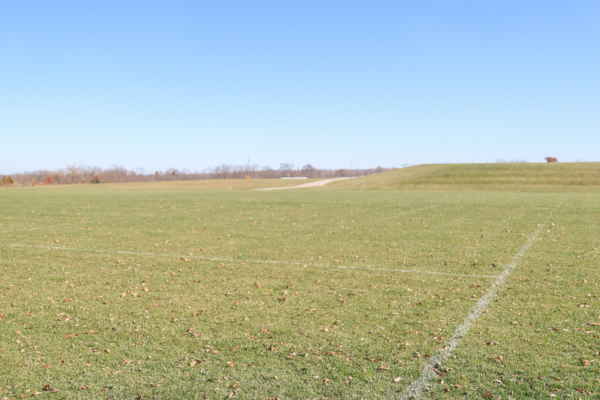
64 225
428 374
406 271
410 212
129 252
30 229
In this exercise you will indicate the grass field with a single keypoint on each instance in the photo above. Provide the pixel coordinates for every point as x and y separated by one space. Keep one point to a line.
174 291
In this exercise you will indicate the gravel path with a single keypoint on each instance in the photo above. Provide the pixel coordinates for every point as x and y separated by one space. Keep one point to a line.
309 184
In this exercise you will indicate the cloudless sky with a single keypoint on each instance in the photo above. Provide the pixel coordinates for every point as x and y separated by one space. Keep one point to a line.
193 84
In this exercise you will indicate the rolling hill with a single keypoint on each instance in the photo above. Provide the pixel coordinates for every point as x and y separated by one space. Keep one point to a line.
500 176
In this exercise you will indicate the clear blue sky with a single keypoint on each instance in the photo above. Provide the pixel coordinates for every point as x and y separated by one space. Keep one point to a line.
192 84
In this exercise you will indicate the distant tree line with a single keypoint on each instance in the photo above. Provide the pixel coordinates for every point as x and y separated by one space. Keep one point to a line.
117 174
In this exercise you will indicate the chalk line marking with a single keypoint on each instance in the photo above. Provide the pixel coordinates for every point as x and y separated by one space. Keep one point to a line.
428 373
410 212
30 229
63 225
405 271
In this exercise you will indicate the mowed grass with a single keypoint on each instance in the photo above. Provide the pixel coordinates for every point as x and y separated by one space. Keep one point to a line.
122 292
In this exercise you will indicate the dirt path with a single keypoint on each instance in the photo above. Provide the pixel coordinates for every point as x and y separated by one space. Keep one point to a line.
309 184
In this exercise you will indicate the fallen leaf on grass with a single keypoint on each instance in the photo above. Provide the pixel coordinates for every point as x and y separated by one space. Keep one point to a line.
48 388
398 379
585 362
383 368
72 335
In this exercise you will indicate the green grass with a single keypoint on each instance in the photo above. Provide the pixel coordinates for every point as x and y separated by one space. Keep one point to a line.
112 292
501 176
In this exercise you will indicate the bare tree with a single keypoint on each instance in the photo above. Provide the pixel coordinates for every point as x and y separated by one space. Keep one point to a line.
222 171
83 174
309 171
286 168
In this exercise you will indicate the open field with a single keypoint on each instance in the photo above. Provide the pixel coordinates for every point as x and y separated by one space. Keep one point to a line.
135 291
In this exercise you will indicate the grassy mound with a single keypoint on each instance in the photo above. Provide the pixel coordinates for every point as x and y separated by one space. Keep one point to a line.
553 176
